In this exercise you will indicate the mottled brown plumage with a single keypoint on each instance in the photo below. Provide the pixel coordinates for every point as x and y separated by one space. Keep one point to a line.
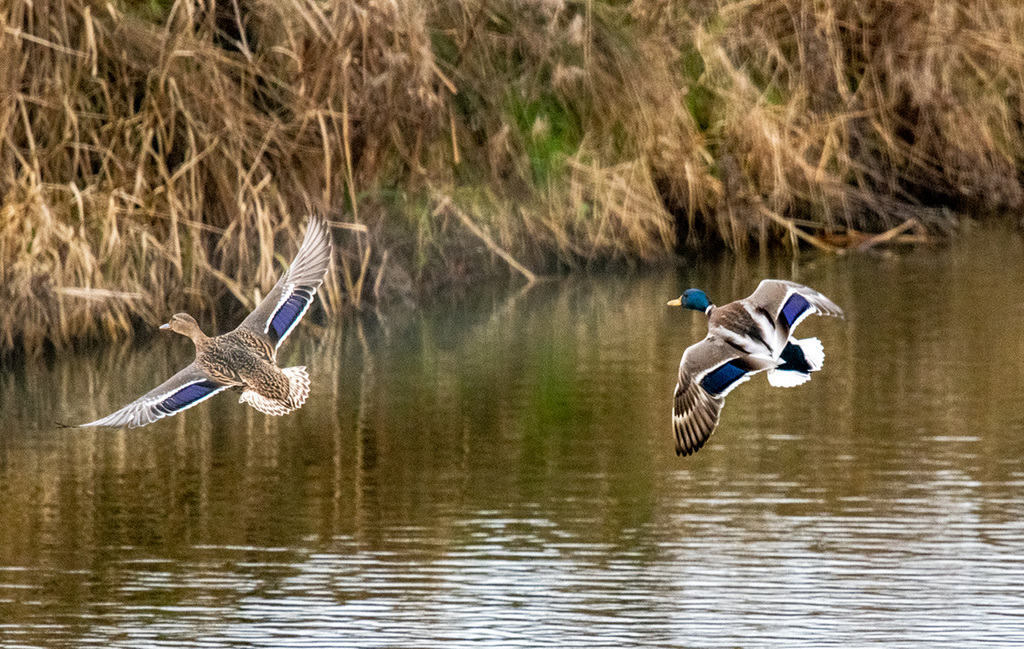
245 358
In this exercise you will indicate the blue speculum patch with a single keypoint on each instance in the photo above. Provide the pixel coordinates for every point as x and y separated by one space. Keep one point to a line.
719 379
794 308
187 396
289 313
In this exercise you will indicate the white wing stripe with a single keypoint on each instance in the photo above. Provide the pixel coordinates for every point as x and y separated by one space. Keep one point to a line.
144 410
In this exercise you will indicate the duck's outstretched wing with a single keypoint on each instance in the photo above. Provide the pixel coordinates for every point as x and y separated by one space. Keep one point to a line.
287 302
789 303
708 371
180 392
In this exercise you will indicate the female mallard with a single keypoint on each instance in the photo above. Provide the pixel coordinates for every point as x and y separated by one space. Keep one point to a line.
246 357
744 337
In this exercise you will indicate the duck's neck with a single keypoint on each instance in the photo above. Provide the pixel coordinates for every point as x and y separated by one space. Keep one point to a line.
199 339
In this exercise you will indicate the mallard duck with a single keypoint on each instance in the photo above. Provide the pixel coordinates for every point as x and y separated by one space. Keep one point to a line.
744 338
246 357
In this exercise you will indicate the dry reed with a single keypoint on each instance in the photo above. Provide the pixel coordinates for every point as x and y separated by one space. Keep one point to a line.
160 162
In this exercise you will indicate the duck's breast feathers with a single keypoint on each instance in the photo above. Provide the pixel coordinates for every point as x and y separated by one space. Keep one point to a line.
287 302
789 303
180 392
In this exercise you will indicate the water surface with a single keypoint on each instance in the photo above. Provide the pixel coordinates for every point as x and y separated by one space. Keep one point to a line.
499 471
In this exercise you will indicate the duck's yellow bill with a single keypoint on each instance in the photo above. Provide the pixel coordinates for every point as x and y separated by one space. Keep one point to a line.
675 302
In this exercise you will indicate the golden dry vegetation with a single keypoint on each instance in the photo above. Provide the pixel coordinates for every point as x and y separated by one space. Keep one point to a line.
162 156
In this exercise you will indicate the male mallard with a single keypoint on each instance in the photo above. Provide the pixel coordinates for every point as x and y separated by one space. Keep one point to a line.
744 337
246 357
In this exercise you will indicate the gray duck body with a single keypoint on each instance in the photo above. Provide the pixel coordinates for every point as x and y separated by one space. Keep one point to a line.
744 337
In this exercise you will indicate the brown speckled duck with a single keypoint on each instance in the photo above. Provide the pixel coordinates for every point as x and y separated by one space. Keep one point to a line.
744 338
246 357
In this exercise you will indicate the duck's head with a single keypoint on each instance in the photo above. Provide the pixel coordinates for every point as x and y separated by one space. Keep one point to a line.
692 298
183 324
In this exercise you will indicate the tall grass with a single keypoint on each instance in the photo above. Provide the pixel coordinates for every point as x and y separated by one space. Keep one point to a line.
159 156
863 113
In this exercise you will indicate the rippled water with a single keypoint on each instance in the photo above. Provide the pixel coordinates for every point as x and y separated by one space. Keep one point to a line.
499 471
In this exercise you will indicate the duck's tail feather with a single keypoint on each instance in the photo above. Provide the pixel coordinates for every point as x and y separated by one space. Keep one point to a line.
787 378
298 391
298 382
799 359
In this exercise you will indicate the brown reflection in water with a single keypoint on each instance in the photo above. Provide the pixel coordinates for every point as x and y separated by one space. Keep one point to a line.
455 449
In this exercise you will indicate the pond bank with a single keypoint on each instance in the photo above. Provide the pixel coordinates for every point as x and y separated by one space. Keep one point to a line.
163 159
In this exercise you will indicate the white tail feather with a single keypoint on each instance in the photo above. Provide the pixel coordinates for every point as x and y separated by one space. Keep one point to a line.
298 390
814 352
787 378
